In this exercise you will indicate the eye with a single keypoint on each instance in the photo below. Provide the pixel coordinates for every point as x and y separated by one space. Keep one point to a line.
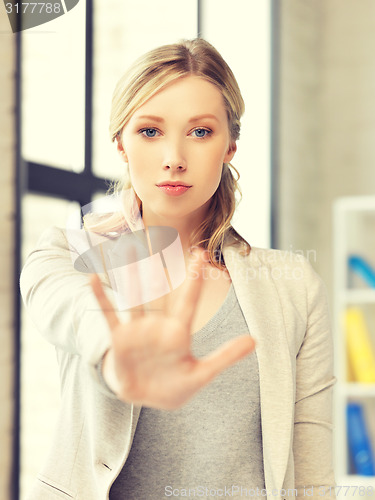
149 132
202 133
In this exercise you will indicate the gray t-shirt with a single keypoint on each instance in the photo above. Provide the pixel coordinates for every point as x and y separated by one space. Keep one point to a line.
212 446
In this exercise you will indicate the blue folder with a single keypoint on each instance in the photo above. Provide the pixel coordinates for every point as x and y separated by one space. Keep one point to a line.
360 266
358 441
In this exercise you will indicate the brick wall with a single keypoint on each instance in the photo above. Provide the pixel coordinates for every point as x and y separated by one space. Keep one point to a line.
7 139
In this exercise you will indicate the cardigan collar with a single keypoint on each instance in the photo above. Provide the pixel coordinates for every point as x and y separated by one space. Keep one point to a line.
260 304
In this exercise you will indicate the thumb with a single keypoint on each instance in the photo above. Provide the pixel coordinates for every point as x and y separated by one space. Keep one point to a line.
228 354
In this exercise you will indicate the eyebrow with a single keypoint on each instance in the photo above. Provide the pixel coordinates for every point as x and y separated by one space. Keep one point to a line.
193 119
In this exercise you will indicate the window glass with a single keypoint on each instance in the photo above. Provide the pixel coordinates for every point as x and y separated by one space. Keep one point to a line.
242 36
123 31
53 91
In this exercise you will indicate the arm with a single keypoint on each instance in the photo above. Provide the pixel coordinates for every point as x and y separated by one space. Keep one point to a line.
61 302
314 386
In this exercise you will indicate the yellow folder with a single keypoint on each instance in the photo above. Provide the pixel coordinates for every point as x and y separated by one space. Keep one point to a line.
360 354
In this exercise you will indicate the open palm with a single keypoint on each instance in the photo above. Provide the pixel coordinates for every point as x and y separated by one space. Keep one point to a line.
150 362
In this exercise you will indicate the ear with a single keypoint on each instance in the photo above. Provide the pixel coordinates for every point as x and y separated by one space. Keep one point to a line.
230 153
120 149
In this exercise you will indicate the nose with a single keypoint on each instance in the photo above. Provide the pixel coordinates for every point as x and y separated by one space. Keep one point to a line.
174 158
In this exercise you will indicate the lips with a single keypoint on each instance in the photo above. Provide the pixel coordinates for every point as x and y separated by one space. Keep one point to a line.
173 189
173 183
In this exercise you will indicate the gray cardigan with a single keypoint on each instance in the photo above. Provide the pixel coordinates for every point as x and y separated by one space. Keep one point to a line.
285 306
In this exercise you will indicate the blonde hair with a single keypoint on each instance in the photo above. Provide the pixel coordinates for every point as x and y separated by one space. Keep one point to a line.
148 75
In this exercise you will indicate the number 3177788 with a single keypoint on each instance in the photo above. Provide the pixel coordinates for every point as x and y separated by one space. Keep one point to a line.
33 8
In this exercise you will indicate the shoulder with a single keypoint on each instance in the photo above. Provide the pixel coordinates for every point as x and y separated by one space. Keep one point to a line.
272 256
288 273
76 241
298 284
283 264
279 263
287 267
52 235
74 252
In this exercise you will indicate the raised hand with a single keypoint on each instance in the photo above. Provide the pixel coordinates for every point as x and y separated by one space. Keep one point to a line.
150 362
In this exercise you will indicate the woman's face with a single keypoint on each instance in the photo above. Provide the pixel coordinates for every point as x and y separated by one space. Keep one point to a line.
179 136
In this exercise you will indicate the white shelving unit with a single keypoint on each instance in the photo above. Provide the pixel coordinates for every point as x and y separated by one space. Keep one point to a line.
354 233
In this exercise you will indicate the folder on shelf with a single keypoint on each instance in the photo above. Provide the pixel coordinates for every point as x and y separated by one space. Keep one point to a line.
360 354
359 442
361 267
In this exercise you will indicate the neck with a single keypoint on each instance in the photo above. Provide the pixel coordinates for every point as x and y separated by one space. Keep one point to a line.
184 225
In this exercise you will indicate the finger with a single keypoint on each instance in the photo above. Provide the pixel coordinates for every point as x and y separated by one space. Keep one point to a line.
135 286
159 277
104 302
209 367
187 303
157 274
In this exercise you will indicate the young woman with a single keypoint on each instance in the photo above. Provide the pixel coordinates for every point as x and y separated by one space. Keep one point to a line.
221 387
